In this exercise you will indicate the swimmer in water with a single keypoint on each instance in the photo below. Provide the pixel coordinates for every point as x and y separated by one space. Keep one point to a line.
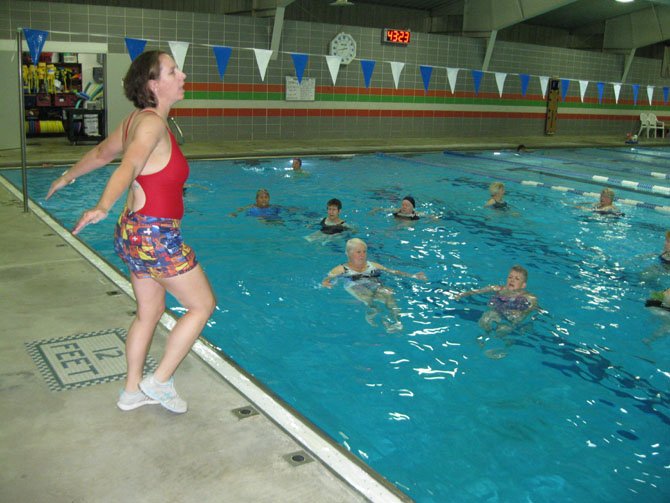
605 204
261 208
406 212
364 283
497 191
510 305
665 254
331 225
660 304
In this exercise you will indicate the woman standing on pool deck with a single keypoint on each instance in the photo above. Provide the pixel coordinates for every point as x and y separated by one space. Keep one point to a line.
147 235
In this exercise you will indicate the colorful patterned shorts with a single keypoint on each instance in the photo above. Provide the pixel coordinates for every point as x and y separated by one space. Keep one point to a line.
152 247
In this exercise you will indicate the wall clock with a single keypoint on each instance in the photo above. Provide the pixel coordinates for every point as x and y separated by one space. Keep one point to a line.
344 46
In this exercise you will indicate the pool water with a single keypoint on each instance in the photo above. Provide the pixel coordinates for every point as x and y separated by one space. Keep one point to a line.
576 410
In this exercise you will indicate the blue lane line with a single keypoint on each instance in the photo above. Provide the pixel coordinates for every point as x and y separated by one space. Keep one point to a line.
559 188
661 154
654 189
610 167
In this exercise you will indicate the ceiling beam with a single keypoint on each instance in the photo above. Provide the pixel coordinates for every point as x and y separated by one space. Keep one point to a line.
637 29
483 16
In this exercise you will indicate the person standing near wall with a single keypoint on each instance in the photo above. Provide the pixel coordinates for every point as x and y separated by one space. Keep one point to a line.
147 236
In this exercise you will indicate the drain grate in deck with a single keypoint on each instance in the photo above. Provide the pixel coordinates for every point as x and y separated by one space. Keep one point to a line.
244 412
82 360
298 458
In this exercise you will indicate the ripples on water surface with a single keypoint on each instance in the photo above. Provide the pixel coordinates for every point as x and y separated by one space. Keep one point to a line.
576 411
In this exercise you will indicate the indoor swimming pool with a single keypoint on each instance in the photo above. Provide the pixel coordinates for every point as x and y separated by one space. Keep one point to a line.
572 406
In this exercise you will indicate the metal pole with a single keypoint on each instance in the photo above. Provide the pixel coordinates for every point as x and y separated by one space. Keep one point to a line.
22 122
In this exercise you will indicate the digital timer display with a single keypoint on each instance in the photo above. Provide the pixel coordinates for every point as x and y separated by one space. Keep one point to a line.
393 36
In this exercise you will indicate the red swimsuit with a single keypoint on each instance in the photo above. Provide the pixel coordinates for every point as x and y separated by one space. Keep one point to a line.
164 189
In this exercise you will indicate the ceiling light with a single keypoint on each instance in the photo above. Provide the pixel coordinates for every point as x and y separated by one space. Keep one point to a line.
625 1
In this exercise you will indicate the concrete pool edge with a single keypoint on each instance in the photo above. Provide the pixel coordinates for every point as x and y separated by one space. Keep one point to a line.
333 457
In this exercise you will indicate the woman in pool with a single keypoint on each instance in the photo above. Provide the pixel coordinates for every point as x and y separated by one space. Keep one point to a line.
660 304
147 237
261 208
406 210
510 305
497 191
364 283
331 225
665 254
605 205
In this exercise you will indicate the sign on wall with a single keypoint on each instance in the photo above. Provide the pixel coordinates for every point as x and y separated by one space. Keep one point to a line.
305 91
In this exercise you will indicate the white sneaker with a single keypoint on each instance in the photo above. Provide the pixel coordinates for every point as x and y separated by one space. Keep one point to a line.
130 401
165 394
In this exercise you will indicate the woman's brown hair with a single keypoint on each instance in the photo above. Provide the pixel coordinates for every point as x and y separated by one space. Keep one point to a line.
145 67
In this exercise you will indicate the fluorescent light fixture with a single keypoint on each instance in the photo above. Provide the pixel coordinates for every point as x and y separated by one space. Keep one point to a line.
625 1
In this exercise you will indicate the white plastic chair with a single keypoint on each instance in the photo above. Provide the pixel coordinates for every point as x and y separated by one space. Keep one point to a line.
645 124
656 125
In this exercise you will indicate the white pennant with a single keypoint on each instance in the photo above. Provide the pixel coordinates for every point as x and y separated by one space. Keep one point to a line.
617 90
452 75
262 60
396 69
179 50
500 81
650 93
334 63
583 84
544 82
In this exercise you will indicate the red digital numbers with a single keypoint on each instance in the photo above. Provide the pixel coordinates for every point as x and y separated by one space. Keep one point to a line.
392 36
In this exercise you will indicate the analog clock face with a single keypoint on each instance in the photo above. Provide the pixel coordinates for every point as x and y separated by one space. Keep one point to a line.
344 46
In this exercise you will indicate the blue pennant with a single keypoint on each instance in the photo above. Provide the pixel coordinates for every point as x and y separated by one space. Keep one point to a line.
477 78
35 40
222 55
135 47
525 80
426 72
368 66
299 62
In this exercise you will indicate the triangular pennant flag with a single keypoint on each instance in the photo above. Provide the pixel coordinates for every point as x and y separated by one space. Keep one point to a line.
525 80
500 82
222 55
396 69
617 91
477 78
334 63
650 93
601 91
426 72
565 84
35 40
179 50
135 47
368 66
583 84
544 82
299 62
636 91
262 60
665 95
452 74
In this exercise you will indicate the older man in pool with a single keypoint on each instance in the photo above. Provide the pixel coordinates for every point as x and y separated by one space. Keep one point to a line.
364 283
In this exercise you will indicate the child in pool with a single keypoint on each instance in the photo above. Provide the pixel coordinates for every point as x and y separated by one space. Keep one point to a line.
511 304
365 284
497 191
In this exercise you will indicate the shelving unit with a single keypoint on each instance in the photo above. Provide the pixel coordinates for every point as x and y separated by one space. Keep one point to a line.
44 102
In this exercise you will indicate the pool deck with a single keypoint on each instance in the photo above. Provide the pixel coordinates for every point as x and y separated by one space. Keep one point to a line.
74 445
